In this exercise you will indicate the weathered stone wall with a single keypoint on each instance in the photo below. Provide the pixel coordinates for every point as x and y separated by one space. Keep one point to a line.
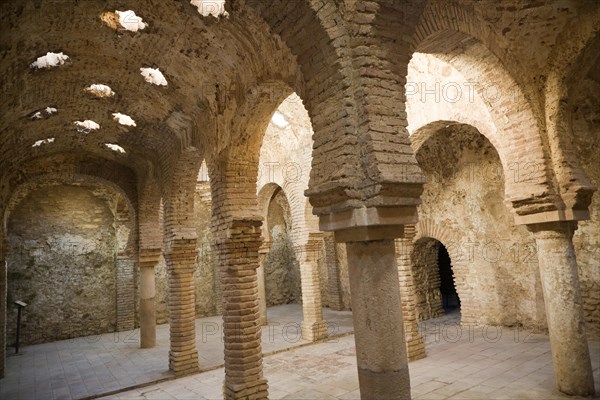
586 129
61 261
464 195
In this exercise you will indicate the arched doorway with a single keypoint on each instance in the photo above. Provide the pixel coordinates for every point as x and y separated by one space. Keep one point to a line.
450 299
436 293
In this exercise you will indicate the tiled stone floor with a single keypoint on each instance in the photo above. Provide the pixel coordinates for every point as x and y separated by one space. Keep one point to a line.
96 365
462 363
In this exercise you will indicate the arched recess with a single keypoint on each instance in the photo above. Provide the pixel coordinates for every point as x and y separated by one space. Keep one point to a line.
67 245
63 166
575 54
457 40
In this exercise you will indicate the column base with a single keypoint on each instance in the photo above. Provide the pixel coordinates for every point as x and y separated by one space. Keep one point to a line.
246 391
314 331
415 348
387 384
184 362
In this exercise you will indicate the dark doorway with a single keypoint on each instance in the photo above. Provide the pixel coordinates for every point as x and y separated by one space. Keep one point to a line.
450 299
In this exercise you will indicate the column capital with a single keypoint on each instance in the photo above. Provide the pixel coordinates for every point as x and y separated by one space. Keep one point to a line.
369 223
566 215
553 230
149 257
265 247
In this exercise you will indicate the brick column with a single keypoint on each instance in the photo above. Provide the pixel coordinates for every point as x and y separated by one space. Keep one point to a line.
564 310
181 264
125 267
314 327
333 273
125 293
263 251
148 260
238 259
236 225
415 345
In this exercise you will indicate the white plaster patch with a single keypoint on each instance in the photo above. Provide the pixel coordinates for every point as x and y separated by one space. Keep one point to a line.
71 244
49 60
124 119
43 113
43 141
154 76
216 8
86 126
115 147
279 120
129 21
100 90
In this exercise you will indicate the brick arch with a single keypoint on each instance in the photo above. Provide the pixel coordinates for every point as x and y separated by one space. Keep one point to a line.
426 228
326 85
575 53
518 130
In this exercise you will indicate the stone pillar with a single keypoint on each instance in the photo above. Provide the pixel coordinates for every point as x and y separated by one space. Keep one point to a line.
564 310
147 261
333 273
377 314
263 251
181 264
314 327
238 259
415 345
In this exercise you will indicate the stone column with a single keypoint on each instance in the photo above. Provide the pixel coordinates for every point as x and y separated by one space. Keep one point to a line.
181 263
377 314
314 327
333 273
148 260
564 310
238 259
415 345
263 251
